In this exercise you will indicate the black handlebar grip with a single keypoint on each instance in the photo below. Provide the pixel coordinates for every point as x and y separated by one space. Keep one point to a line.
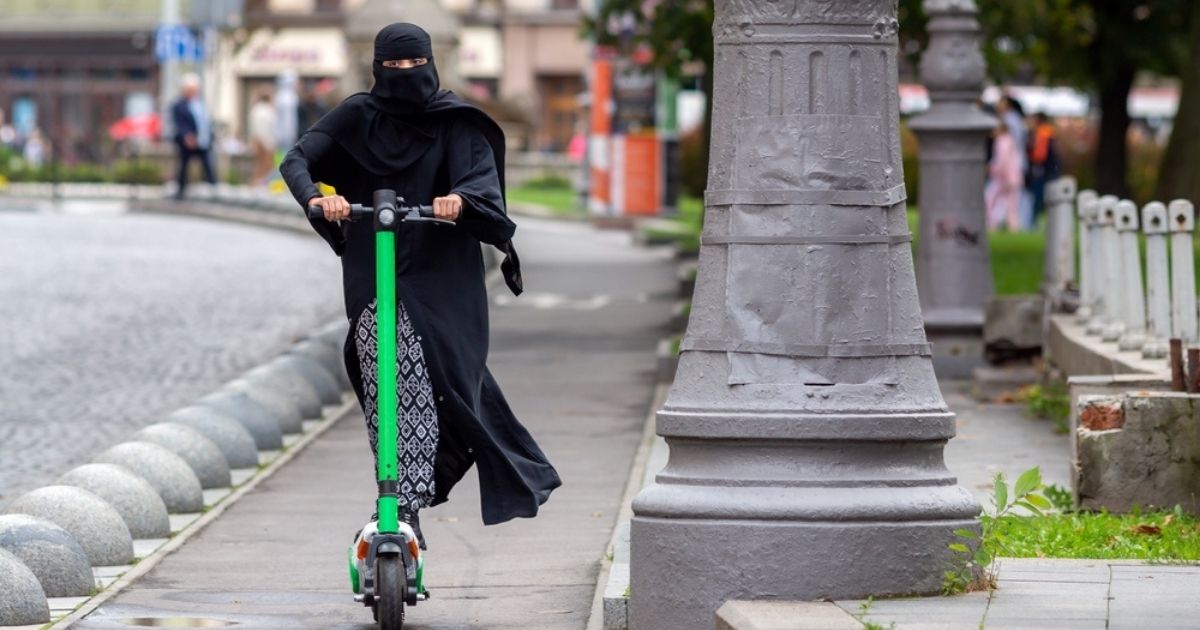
425 211
356 210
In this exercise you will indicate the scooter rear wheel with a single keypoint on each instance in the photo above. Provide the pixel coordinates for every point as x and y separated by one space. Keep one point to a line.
390 583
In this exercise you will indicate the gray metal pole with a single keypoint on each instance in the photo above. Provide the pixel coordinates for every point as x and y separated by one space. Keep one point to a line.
168 71
954 272
805 425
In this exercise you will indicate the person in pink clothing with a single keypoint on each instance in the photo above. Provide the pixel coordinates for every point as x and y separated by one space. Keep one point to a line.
1003 193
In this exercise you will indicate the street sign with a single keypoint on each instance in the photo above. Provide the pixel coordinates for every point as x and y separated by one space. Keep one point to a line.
175 42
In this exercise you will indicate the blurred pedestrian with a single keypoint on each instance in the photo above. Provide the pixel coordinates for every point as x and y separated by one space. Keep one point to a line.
8 133
35 149
193 132
1003 193
1013 114
262 137
1043 161
312 107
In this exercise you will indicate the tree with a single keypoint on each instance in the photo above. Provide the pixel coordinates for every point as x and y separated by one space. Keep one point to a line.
1098 45
1179 174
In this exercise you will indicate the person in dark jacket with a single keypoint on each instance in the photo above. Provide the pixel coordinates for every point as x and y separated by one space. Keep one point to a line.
435 149
193 132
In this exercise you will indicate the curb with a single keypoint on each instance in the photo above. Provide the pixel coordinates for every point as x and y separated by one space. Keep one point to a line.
614 570
147 563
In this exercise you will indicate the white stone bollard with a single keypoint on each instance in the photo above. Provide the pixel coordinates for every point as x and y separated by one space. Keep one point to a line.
1158 288
1183 275
1059 262
1102 288
1112 291
1133 303
1085 203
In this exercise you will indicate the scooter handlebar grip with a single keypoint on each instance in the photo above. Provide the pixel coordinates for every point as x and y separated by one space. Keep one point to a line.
356 210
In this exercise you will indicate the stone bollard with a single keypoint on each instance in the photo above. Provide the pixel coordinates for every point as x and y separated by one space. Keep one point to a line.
1133 304
23 602
1181 214
1112 292
1095 323
317 375
251 415
132 497
328 353
60 564
1059 263
91 521
167 472
285 412
1158 289
202 455
1085 206
290 383
233 440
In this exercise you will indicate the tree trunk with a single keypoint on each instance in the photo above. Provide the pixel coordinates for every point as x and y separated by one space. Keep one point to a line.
1179 174
1112 149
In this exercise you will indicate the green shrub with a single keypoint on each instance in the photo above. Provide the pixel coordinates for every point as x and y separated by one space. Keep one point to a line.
137 172
548 181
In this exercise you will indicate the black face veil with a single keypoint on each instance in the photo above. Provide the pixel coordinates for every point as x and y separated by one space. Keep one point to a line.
403 90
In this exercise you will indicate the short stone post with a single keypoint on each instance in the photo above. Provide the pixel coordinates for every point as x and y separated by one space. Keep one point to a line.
1059 266
1183 274
1085 205
1158 289
1133 304
1101 289
1112 292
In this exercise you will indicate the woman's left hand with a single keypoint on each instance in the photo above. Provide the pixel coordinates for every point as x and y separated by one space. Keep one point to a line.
448 207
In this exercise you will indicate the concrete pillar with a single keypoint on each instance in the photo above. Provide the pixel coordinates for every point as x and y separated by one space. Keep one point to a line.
1059 265
1100 288
1133 302
1085 208
1181 214
805 426
1111 292
954 272
1158 290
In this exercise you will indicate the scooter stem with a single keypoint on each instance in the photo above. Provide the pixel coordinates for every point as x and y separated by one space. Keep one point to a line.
385 286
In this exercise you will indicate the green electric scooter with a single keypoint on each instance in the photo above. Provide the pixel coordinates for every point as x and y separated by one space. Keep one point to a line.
386 565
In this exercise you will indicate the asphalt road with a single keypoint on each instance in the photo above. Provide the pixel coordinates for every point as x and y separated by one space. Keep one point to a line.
575 357
110 321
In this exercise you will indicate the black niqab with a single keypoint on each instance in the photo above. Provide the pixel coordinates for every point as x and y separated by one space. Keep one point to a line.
403 91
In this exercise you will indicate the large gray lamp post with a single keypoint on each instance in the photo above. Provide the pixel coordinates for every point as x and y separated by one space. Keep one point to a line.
805 425
954 273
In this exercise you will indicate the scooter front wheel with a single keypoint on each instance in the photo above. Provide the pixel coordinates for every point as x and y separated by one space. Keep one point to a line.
390 584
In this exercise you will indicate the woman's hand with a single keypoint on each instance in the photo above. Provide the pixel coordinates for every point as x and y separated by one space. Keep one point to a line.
335 206
448 207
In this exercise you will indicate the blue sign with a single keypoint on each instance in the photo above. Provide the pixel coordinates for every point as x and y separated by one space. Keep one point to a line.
175 42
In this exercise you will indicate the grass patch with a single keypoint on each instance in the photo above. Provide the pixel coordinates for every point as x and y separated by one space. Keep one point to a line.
562 200
1050 401
1157 536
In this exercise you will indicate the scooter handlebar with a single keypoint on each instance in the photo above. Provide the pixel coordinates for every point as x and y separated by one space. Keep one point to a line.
358 210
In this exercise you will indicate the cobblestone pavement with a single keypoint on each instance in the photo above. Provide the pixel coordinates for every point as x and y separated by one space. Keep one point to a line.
111 321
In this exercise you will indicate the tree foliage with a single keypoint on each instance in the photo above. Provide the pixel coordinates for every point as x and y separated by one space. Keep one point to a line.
1095 45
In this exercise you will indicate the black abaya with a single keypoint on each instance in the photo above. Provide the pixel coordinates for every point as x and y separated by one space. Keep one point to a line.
451 148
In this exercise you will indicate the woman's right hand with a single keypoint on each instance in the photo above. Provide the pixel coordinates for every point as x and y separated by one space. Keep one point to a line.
336 207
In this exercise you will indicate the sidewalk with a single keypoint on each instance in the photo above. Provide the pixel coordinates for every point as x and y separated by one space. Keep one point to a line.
575 356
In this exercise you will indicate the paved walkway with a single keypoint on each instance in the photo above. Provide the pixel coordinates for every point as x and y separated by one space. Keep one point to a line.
575 356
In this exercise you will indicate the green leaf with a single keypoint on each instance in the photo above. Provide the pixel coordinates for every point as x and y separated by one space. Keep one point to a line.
966 533
982 557
1039 500
959 547
1029 481
1031 507
1000 498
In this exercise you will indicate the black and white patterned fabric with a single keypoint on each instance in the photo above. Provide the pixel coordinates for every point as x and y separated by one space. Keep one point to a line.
416 415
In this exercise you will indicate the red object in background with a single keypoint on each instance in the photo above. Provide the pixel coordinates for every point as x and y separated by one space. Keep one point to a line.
144 127
638 189
600 140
